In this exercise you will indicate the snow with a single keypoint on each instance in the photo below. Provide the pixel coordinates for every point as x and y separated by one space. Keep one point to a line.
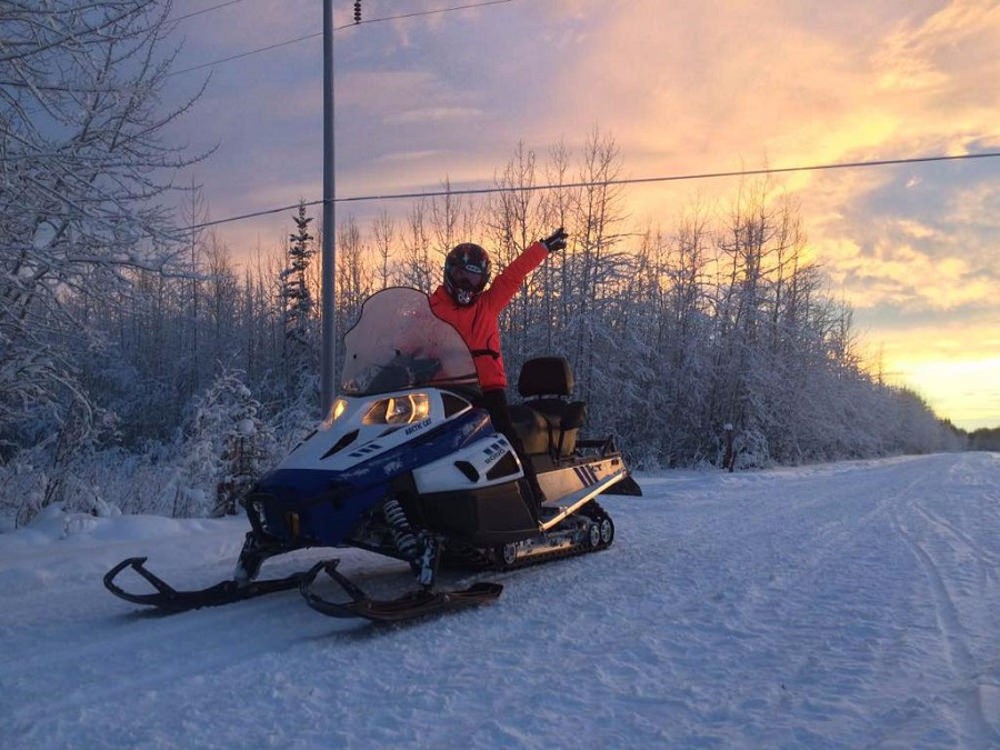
845 605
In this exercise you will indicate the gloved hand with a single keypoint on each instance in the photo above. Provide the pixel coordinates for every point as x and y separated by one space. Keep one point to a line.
556 240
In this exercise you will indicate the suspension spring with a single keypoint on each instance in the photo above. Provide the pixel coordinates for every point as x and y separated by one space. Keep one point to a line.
402 533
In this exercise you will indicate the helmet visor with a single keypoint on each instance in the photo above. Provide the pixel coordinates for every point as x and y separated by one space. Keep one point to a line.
468 277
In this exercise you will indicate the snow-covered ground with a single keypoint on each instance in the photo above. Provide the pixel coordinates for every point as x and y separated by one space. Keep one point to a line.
851 605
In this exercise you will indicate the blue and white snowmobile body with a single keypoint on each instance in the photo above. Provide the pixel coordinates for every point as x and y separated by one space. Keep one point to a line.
406 466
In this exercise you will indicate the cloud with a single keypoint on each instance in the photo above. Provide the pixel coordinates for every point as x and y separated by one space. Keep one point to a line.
433 115
409 156
928 54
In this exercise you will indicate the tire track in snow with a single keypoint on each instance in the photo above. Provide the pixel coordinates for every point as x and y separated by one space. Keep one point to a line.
973 720
984 556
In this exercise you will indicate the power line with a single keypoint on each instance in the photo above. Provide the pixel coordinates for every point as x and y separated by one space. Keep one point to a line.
194 13
213 63
246 54
624 181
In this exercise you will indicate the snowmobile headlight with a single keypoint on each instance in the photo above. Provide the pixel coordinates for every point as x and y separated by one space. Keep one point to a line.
337 410
398 410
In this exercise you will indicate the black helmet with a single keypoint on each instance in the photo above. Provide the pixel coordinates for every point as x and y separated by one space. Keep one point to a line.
466 272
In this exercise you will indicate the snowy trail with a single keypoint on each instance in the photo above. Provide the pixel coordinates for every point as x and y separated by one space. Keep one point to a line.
852 605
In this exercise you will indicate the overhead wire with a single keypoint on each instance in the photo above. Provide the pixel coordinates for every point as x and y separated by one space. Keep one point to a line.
623 181
213 63
194 13
313 35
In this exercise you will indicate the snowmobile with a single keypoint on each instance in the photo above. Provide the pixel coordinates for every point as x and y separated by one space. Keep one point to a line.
405 466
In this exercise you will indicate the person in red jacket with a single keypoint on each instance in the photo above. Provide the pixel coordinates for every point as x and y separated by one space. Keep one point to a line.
464 301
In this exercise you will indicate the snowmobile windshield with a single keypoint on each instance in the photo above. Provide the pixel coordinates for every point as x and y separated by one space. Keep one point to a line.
399 343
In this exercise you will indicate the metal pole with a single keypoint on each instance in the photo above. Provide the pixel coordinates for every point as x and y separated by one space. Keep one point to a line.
329 354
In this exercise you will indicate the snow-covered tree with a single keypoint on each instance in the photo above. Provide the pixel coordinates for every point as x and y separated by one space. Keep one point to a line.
83 171
224 448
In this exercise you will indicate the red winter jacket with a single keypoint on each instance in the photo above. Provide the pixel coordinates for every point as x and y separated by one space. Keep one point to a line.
478 322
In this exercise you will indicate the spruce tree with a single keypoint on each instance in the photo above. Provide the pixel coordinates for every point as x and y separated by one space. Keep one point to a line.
299 344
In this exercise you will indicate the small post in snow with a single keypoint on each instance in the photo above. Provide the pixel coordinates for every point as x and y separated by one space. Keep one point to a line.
729 461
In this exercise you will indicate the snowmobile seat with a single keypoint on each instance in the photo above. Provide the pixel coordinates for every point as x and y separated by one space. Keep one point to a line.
548 422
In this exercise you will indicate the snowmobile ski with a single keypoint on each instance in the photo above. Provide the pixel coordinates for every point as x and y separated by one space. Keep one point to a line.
412 605
169 599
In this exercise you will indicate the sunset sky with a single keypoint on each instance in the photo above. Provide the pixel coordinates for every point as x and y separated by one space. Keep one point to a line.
684 88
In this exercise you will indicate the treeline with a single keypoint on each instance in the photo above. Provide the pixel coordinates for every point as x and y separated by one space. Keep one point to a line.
985 439
192 382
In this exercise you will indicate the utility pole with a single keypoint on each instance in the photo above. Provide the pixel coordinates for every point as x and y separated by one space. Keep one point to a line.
329 353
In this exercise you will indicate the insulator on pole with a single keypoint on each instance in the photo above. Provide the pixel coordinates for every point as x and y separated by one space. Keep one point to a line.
357 11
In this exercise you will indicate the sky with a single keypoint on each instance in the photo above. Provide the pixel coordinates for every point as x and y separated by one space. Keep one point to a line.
683 88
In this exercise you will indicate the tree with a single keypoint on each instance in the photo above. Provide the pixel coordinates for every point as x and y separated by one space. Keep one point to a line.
224 449
512 223
417 269
453 220
299 345
383 230
596 266
355 275
83 170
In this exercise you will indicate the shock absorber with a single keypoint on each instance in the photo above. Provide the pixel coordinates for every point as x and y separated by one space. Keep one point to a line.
402 533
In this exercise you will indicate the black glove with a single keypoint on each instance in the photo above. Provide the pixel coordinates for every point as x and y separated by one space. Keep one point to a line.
556 240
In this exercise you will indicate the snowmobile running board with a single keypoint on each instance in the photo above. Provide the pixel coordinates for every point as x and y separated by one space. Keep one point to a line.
566 507
407 607
170 599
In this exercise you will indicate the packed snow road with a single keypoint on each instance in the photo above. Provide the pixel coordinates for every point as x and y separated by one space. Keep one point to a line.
851 605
